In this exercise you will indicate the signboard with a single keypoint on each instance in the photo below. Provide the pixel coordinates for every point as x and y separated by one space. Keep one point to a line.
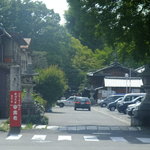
15 108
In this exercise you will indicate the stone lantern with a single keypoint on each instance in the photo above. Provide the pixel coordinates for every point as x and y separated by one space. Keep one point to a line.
92 91
28 104
142 113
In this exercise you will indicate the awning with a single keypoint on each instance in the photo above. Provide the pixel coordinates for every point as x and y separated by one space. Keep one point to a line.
123 82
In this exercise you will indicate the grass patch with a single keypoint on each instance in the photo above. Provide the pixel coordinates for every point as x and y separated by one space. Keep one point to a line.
4 126
28 126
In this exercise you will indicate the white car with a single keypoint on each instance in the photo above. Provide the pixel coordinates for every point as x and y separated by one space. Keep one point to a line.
67 102
131 107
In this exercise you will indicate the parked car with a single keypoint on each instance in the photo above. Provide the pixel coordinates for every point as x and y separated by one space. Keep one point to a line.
112 98
131 107
66 102
112 106
82 102
124 104
128 97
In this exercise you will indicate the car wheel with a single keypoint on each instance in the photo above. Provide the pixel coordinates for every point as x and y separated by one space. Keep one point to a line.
103 105
61 105
75 108
89 109
112 108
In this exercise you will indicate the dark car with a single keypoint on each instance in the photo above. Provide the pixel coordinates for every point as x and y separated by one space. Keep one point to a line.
82 102
123 106
112 98
112 106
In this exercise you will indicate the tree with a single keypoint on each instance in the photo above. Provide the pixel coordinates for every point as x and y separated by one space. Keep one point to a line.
51 42
51 84
39 60
86 60
27 17
81 24
120 21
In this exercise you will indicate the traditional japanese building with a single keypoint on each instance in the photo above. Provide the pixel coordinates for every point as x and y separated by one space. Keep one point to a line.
13 51
114 79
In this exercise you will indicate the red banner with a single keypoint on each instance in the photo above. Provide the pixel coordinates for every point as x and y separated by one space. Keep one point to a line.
15 108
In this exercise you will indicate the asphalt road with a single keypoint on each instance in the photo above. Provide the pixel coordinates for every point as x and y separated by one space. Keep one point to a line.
98 129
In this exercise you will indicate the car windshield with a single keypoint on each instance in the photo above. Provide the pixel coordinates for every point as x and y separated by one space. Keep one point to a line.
138 99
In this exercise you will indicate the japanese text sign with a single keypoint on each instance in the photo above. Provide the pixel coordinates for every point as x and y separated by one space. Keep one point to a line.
15 108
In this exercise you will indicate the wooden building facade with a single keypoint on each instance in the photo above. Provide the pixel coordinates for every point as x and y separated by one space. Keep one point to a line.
114 79
11 53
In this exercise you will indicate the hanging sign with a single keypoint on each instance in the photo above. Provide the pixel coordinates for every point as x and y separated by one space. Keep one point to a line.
15 108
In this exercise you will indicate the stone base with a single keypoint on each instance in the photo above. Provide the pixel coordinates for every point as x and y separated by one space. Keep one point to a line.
141 116
32 113
28 108
14 130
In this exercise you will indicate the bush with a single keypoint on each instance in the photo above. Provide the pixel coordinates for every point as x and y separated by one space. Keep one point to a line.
51 84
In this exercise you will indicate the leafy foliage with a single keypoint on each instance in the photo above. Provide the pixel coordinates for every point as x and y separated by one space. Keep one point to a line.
51 84
27 17
87 60
51 42
115 22
81 24
39 59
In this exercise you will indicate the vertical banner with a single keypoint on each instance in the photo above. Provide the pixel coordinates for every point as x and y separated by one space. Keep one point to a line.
15 108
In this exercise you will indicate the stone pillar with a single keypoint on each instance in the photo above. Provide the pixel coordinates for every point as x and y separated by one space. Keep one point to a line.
15 85
29 109
15 78
92 95
142 113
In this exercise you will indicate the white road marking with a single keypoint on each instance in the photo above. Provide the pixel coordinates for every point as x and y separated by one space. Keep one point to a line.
144 140
64 138
118 139
39 137
52 127
91 138
14 137
40 127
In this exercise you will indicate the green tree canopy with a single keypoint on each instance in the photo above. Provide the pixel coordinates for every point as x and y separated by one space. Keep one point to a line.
117 21
51 84
86 60
27 17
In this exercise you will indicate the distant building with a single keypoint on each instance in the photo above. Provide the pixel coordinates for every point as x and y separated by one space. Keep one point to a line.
114 79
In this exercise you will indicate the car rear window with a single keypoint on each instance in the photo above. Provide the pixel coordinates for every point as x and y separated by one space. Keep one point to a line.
82 99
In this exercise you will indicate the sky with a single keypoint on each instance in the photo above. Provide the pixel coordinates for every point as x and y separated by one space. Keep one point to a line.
59 6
